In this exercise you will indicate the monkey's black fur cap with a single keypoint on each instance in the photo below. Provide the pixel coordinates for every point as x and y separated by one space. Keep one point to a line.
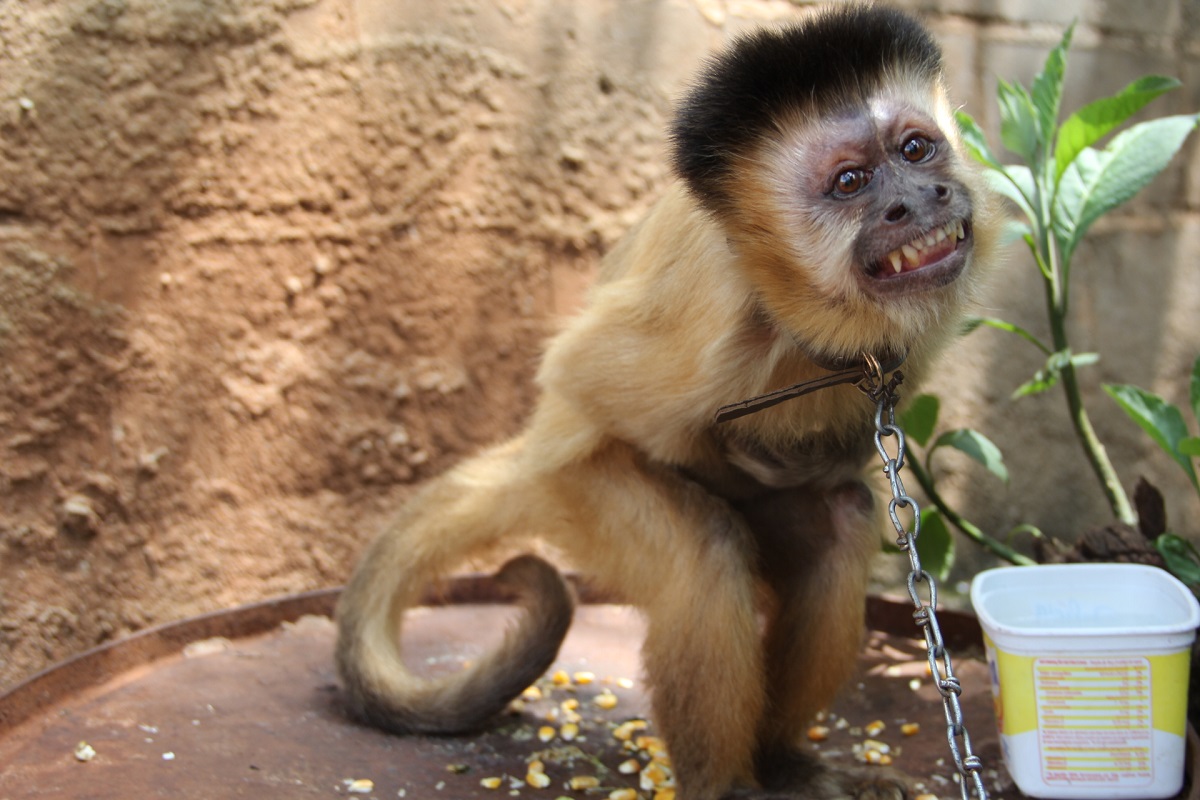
831 60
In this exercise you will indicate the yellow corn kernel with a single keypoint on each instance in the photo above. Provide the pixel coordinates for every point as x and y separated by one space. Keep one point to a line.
578 783
570 704
629 766
491 783
569 731
584 678
622 794
532 693
624 732
665 794
653 776
818 733
910 728
874 728
560 678
538 780
546 733
606 700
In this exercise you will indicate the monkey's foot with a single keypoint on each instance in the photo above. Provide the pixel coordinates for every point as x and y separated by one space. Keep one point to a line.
797 776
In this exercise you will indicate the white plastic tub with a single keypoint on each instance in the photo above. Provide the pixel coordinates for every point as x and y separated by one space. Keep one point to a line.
1089 666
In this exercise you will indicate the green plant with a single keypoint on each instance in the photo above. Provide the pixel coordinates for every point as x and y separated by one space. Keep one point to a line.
1062 187
1164 423
1062 182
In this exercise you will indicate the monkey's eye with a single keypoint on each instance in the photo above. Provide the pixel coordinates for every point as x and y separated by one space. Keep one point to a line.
917 149
851 181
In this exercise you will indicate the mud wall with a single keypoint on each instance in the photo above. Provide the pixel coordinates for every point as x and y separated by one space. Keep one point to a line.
265 265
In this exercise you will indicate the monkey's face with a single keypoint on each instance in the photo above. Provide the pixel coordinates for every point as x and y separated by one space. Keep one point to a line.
875 210
882 190
890 168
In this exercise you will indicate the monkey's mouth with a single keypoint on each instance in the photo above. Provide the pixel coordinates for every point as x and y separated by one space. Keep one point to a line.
924 250
930 259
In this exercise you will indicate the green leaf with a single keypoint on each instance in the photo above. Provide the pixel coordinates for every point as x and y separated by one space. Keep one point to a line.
935 545
975 141
1195 389
1047 377
1092 122
1047 86
1189 446
1015 183
977 446
1162 421
1019 122
1009 327
919 418
1098 181
1182 559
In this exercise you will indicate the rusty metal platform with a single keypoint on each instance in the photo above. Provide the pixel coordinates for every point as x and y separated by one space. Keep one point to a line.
244 704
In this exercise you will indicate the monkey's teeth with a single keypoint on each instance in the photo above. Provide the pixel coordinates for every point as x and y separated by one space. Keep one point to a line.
911 255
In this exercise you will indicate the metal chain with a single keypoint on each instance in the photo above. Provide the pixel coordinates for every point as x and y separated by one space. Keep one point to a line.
969 765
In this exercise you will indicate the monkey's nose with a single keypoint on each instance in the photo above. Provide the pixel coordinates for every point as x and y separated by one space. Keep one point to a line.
896 213
940 192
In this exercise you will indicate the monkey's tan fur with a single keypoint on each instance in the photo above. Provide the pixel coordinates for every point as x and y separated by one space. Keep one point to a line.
708 529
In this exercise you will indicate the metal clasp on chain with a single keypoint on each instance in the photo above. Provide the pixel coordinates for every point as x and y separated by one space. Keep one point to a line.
969 765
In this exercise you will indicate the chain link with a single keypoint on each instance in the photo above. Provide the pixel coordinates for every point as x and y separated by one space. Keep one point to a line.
969 765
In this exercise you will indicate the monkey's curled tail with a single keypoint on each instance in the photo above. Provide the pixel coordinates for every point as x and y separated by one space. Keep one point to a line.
445 525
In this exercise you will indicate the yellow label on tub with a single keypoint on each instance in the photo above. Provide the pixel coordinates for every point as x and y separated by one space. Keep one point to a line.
1078 696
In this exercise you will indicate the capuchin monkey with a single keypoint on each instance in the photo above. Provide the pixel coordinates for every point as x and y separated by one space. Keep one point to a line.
825 210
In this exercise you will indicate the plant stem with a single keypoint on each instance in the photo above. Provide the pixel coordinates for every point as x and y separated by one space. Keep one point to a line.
1096 454
996 546
1055 276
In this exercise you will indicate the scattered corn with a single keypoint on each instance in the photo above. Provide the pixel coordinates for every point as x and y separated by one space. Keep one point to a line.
624 732
84 752
532 693
569 731
491 783
625 683
818 733
910 728
570 704
622 794
560 678
578 783
665 794
536 776
606 700
874 728
654 776
629 766
361 786
584 678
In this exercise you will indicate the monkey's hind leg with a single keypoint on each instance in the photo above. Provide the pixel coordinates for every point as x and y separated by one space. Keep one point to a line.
474 506
815 551
685 559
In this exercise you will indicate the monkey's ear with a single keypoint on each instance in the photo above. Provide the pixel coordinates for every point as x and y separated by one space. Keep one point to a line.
835 59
